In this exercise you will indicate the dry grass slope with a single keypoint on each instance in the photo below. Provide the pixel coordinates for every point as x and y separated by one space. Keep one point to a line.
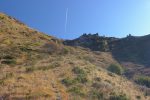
35 66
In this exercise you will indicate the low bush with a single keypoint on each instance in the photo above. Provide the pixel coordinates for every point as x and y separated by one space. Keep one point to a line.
76 90
65 50
78 70
119 97
138 97
116 69
1 17
1 82
97 95
68 81
7 76
9 62
24 49
81 78
143 80
81 75
7 59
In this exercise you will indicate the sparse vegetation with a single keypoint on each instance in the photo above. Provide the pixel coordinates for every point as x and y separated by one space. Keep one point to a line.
8 60
78 70
81 75
65 50
119 97
81 78
68 81
76 90
25 49
1 81
97 95
5 77
2 17
143 80
45 69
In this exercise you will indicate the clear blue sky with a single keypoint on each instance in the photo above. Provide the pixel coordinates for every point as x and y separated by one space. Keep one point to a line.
107 17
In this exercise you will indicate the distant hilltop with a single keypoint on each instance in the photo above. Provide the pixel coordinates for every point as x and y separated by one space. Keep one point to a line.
130 48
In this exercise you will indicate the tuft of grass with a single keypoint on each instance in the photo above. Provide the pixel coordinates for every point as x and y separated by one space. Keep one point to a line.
65 50
25 49
7 76
1 82
30 69
7 42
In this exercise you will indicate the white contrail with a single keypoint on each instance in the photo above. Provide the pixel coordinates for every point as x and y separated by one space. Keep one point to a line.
66 20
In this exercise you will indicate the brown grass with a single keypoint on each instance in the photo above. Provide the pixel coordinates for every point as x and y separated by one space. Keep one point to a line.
53 64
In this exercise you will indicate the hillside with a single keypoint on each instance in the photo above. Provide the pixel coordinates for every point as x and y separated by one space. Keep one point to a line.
134 49
128 49
35 66
132 52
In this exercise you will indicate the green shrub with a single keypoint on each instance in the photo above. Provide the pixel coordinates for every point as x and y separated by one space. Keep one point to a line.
2 17
81 78
115 69
1 82
9 75
97 95
68 81
81 75
9 62
7 59
65 50
76 90
24 49
78 70
143 80
119 97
